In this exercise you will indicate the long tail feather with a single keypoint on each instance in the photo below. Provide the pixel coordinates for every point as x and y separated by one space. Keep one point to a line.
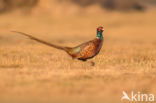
41 41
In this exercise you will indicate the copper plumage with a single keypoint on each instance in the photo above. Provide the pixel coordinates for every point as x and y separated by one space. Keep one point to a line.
83 51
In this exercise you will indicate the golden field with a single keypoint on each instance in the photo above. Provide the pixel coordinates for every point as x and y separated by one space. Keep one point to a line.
31 72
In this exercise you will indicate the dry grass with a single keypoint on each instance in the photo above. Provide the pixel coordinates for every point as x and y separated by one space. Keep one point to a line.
32 72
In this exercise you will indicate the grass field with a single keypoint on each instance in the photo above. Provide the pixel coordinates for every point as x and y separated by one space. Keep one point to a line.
35 73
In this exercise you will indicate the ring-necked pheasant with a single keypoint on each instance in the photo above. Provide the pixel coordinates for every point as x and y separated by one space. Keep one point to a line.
83 51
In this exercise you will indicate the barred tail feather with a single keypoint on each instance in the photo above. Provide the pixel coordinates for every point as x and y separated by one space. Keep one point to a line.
41 41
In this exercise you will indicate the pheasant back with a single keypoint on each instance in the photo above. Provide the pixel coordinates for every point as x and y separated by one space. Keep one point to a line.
86 50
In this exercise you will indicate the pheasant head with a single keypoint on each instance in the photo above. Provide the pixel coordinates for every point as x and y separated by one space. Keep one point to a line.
99 32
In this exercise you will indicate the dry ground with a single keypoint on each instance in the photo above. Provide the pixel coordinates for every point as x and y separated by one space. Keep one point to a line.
32 72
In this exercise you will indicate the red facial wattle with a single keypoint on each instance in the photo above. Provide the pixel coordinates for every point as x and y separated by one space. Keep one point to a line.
99 29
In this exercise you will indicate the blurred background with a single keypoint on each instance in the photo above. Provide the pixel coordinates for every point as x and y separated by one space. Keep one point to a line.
52 6
31 72
79 16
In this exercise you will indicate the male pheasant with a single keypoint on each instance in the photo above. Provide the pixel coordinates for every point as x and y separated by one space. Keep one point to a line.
83 51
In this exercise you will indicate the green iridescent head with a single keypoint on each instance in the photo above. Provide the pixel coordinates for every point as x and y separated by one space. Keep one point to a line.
99 32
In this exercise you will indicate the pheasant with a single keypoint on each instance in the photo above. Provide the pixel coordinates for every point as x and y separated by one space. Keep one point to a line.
83 51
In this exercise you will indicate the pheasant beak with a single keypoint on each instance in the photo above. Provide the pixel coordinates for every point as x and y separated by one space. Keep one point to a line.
102 29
